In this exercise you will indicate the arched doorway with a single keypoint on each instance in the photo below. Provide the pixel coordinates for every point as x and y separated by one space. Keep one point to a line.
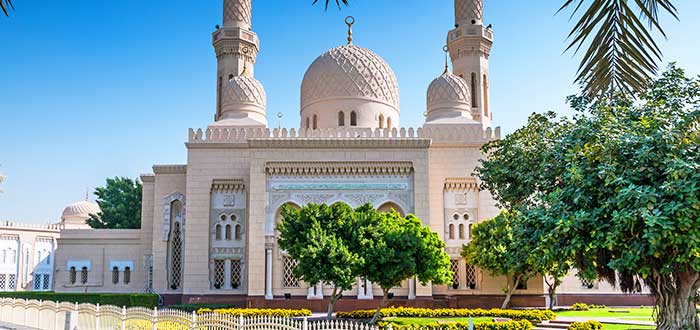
388 206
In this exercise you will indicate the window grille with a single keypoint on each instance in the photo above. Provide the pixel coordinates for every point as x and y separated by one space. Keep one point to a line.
12 282
46 284
235 274
454 267
471 276
176 261
115 275
2 282
127 275
219 274
37 282
84 275
72 275
290 281
587 284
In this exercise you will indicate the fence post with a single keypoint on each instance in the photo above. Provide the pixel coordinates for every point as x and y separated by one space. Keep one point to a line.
38 317
26 302
193 324
240 321
305 324
73 318
155 318
123 317
55 318
97 317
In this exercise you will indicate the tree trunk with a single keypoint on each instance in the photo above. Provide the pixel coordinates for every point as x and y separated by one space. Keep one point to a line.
385 297
675 300
331 303
511 288
552 291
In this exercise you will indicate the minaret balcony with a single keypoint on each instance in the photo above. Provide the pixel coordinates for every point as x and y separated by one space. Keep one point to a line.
234 34
471 31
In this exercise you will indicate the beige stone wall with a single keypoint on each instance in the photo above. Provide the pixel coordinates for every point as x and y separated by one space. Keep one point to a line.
27 237
100 247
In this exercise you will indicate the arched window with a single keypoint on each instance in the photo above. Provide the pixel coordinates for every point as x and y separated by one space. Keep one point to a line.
228 232
461 231
218 232
469 231
341 119
115 275
315 121
486 96
238 233
84 275
381 121
475 103
127 275
451 231
175 239
72 275
353 118
388 123
307 123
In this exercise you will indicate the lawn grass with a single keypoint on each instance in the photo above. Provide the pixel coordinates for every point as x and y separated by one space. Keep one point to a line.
430 320
640 314
607 326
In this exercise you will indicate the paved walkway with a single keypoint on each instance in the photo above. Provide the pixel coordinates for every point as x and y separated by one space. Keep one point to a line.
611 320
8 326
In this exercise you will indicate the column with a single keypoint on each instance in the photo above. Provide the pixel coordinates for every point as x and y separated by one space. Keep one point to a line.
268 274
227 274
411 289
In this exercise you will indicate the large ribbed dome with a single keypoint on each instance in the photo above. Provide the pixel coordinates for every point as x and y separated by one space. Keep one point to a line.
243 102
81 209
350 78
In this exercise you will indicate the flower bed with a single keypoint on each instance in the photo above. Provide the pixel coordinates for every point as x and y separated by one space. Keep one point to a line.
510 325
253 312
530 315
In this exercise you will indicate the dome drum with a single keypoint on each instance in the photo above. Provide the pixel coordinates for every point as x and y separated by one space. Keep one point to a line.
243 103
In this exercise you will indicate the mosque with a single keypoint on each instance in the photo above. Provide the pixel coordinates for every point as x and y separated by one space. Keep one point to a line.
208 226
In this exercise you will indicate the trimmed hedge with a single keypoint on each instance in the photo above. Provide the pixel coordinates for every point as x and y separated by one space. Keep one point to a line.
129 300
510 325
195 307
530 315
253 312
588 325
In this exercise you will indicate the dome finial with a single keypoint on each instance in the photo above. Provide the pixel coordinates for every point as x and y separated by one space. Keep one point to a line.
349 21
447 68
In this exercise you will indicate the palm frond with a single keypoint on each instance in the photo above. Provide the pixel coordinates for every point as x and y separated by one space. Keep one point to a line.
621 54
337 3
5 6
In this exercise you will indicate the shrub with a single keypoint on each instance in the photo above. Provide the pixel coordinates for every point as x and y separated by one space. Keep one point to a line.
195 307
129 300
530 315
510 325
579 307
252 312
588 325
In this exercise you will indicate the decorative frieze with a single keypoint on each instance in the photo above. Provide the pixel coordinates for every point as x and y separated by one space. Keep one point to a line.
170 169
227 186
339 168
461 184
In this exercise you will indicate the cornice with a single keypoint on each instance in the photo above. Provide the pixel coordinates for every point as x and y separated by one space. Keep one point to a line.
461 184
227 185
147 178
320 143
340 168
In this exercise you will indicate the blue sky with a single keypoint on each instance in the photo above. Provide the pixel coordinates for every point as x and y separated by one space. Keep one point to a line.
95 89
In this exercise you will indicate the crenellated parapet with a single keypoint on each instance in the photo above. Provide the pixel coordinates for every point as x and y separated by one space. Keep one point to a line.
458 135
10 225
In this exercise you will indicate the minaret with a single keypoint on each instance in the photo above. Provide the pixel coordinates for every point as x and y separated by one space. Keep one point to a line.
235 44
470 45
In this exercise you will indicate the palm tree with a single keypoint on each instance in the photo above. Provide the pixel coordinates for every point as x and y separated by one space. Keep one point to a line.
621 54
5 5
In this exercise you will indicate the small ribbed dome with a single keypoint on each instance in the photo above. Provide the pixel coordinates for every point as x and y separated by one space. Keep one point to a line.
448 88
243 102
449 100
81 209
349 78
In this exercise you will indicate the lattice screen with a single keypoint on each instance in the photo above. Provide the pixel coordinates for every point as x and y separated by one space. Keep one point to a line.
219 274
115 275
587 284
127 275
235 274
2 281
471 276
454 267
176 262
46 283
72 275
290 281
84 275
37 281
12 282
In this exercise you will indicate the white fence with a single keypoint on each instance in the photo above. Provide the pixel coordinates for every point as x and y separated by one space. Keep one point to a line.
47 315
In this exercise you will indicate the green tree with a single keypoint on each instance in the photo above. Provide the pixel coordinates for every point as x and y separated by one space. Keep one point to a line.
120 202
621 53
519 170
395 248
318 237
495 246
